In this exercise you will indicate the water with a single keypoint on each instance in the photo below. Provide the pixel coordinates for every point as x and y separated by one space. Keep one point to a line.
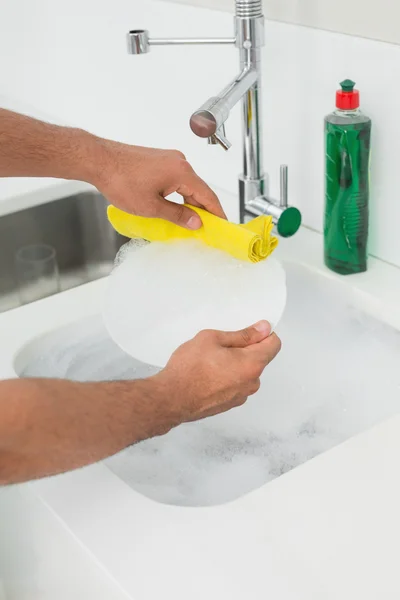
337 375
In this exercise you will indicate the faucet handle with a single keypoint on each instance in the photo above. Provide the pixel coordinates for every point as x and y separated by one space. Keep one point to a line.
286 218
139 41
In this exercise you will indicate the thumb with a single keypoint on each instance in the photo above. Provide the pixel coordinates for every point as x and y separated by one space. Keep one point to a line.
179 214
245 337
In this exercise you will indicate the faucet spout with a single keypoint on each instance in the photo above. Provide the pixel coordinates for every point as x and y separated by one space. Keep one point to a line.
210 117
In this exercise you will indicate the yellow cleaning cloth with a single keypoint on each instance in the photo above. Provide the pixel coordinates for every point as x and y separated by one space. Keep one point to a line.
251 242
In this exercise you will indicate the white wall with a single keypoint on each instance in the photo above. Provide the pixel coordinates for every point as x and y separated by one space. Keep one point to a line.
69 60
376 19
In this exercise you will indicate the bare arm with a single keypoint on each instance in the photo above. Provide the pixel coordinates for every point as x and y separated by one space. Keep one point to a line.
132 178
32 148
48 426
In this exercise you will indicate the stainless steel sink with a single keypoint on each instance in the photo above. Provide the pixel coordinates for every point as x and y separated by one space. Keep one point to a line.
76 226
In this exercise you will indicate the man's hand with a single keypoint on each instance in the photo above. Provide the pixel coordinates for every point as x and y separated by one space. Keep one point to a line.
138 180
132 178
48 426
217 371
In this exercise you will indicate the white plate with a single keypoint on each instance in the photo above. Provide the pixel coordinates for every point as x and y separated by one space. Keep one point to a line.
161 295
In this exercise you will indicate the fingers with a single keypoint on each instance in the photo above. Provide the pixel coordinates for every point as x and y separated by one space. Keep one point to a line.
246 337
266 350
195 191
178 214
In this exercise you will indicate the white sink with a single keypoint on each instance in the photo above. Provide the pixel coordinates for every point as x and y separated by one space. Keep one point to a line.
337 375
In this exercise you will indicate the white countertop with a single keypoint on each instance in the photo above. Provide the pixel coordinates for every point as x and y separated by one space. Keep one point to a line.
328 529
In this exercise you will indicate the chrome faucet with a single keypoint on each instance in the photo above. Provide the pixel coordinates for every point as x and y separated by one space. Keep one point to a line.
209 120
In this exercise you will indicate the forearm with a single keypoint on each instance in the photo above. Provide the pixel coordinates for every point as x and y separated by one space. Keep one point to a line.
50 426
32 148
135 179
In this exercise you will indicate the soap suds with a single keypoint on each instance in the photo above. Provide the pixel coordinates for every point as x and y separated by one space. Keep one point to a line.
337 375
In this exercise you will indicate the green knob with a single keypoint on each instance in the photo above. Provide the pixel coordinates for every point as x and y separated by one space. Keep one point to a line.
289 222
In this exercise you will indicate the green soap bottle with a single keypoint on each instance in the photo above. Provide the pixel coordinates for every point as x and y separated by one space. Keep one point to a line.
347 154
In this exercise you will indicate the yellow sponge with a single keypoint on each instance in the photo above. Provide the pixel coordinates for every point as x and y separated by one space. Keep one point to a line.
252 242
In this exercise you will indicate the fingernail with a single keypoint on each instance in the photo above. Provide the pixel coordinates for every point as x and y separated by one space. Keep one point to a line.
194 222
263 327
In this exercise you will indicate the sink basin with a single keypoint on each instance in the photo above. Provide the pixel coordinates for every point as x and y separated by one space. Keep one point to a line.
76 226
337 375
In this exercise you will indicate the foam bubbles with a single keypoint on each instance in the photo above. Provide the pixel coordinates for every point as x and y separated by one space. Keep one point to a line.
336 376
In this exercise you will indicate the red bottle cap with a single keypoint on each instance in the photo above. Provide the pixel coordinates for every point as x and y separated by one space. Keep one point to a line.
347 98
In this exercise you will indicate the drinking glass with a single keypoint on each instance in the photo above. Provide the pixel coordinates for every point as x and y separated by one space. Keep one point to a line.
37 272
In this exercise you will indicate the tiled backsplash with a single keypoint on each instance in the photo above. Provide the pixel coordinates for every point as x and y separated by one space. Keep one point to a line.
70 60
